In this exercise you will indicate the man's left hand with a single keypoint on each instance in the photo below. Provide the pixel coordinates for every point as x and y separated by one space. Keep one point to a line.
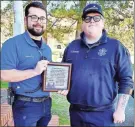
63 92
119 116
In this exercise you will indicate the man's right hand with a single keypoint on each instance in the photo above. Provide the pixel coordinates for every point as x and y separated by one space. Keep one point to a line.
41 66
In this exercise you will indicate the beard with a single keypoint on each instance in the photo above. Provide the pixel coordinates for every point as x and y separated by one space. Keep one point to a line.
35 32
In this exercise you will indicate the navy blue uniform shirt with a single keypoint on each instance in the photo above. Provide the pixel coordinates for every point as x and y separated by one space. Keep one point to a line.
99 71
22 53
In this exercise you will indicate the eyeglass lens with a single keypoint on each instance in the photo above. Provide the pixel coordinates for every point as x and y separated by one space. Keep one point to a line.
35 18
96 18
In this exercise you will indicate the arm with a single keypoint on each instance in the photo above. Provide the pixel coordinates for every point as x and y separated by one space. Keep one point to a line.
122 102
14 75
119 114
125 82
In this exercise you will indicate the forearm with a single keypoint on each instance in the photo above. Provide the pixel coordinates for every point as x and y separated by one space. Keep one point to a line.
122 102
17 75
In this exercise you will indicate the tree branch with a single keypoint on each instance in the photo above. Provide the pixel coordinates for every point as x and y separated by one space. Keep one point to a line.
122 14
75 3
72 25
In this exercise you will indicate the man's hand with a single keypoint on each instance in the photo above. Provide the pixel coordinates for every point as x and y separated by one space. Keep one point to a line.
119 116
63 92
41 66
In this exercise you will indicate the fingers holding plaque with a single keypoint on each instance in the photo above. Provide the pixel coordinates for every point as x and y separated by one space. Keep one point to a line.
57 77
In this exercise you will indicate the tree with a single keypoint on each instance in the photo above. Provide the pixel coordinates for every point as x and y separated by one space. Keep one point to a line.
6 22
118 17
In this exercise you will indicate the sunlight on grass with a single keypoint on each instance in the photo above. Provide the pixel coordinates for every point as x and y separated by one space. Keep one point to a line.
60 107
3 84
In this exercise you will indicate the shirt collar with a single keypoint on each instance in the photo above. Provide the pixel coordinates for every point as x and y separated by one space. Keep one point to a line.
31 42
103 38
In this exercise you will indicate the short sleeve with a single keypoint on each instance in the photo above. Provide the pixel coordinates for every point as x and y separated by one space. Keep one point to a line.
9 55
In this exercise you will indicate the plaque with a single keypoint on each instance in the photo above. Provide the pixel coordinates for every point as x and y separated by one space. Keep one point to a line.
57 77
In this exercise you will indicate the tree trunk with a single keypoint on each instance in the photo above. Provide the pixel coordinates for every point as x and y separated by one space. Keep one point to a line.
78 30
82 4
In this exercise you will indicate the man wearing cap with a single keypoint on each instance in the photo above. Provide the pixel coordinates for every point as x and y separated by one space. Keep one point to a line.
101 69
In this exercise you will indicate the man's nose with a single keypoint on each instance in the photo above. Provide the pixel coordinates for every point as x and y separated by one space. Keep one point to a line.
92 20
39 21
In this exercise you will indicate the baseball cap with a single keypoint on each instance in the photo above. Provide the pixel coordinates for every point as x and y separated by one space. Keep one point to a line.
92 8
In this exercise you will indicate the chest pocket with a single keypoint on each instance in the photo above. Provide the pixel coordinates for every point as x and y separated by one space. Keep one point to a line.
27 60
72 57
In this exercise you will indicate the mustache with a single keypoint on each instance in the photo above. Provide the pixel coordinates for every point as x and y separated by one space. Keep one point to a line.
38 25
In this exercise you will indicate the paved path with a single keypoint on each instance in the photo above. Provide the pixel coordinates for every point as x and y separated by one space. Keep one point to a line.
3 96
129 109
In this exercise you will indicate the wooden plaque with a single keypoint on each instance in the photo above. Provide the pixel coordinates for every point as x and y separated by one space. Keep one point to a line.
57 77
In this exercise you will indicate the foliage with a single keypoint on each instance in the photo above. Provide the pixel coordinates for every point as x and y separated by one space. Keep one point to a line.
119 23
118 19
7 22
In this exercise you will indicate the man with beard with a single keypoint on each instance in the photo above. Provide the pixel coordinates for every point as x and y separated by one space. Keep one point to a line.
101 69
23 59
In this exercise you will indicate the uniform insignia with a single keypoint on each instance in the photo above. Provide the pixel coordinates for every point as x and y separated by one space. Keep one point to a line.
102 52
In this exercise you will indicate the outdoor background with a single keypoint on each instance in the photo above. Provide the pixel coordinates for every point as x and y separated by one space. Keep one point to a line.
64 25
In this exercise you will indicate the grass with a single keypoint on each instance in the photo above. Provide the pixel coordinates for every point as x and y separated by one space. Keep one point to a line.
59 106
3 84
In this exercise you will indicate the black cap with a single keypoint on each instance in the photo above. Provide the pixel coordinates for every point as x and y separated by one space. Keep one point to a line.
92 8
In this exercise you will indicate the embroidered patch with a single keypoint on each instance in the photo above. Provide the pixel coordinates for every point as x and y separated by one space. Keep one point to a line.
102 52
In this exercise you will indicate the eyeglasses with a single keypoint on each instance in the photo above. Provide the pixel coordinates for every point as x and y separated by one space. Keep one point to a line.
96 18
35 18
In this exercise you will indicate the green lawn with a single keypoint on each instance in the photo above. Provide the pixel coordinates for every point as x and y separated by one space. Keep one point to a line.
3 84
59 106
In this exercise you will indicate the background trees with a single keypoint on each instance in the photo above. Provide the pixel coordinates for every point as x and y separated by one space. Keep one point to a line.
118 19
64 20
119 24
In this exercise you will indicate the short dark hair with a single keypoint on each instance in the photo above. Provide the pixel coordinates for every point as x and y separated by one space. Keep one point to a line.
36 5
